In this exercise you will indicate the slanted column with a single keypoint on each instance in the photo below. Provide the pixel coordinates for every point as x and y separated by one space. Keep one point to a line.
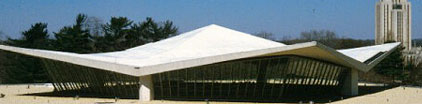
146 90
350 86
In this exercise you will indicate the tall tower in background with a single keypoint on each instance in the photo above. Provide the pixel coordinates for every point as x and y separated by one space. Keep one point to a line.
393 22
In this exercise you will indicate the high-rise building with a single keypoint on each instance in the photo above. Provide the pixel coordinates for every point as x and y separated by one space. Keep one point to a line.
393 22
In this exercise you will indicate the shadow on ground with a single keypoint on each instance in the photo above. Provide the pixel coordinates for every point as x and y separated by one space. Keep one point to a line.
363 90
71 94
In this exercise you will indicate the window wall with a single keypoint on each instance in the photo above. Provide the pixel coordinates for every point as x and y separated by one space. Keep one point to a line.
74 80
264 78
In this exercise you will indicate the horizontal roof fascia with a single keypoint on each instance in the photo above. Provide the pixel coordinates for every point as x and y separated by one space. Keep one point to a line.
308 49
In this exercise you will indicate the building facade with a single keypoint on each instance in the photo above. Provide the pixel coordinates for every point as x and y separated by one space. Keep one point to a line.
211 63
393 22
269 78
414 56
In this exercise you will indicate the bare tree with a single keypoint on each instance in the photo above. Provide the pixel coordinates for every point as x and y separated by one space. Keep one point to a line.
266 35
94 25
2 36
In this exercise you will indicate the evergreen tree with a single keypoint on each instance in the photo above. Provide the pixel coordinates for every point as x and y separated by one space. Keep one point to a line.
150 31
37 37
114 35
74 38
121 34
153 31
392 66
2 57
22 68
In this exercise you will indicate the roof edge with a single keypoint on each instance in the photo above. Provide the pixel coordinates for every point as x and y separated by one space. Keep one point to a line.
152 69
352 62
380 58
107 66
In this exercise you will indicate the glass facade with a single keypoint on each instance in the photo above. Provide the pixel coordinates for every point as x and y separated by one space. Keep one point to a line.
261 78
265 78
72 80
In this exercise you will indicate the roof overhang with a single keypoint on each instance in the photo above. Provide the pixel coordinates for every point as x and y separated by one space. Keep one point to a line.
70 58
321 52
308 49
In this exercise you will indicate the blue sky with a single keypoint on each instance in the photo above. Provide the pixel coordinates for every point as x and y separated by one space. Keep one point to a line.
349 18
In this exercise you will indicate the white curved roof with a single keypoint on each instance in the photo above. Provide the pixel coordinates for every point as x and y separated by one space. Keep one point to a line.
364 53
207 41
206 45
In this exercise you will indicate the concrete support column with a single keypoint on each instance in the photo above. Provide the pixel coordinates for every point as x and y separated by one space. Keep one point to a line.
146 90
350 86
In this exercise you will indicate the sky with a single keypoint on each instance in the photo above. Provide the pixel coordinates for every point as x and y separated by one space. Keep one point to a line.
283 18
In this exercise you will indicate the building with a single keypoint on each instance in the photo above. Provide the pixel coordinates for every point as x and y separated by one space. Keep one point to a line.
393 22
212 62
414 56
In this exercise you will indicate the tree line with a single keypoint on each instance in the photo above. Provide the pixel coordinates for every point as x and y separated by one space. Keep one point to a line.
90 35
86 35
390 69
326 37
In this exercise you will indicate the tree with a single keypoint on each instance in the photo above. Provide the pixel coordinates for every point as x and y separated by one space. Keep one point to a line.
344 43
2 68
84 36
114 35
265 35
26 69
392 66
75 38
94 26
1 37
414 74
36 37
328 38
152 31
121 33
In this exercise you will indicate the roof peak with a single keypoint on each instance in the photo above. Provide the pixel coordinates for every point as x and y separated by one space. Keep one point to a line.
210 37
213 26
